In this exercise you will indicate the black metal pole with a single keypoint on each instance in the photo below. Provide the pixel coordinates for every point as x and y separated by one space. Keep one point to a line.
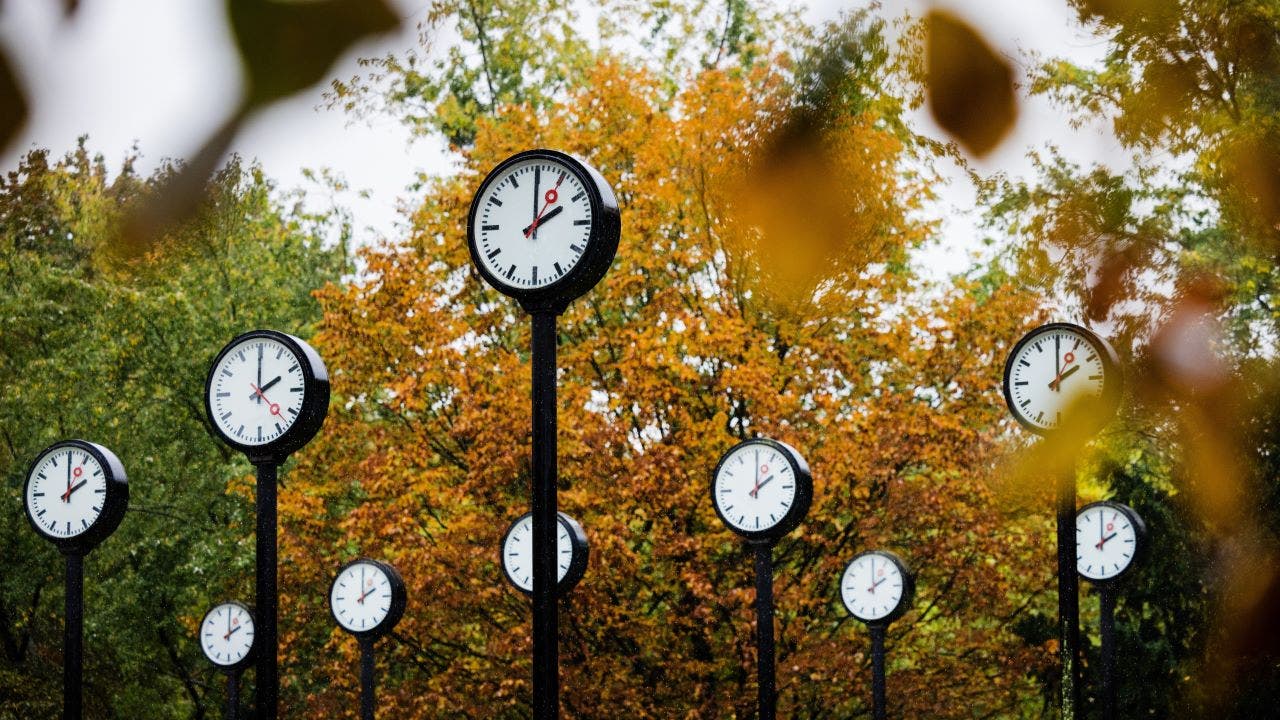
1108 622
546 661
1068 597
233 695
878 711
73 640
268 678
366 678
764 631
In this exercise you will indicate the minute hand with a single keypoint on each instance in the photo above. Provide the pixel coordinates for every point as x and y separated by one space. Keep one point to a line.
543 219
1057 382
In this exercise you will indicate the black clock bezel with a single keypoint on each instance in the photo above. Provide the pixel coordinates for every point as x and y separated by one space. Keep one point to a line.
399 599
315 399
1112 377
904 602
577 565
602 241
799 507
250 656
115 500
1139 535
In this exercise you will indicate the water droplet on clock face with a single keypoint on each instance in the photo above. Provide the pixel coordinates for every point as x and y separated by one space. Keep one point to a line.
532 224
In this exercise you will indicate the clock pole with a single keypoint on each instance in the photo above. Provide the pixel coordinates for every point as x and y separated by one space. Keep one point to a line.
366 677
765 665
878 701
1107 600
266 593
73 639
546 661
232 711
1068 597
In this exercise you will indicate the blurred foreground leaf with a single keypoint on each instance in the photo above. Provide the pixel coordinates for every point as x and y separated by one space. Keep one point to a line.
13 103
970 86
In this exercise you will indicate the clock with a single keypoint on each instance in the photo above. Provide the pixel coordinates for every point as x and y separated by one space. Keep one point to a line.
267 394
1056 366
226 636
367 598
571 553
761 489
1109 537
76 494
877 587
543 228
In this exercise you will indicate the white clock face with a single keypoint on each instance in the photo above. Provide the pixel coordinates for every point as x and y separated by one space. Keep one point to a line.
517 553
66 491
361 597
257 391
1105 542
533 223
755 487
1052 371
871 587
226 635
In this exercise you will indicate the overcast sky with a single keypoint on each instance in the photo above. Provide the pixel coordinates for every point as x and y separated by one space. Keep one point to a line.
161 73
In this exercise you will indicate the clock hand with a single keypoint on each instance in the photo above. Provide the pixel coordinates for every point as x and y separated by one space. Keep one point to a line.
232 632
1057 356
273 407
259 370
551 195
72 489
756 492
67 494
1104 540
545 218
264 388
1056 385
537 178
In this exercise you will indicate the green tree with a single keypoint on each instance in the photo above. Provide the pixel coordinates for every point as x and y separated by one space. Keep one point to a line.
115 351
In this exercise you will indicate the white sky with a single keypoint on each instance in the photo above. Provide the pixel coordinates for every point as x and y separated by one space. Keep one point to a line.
162 72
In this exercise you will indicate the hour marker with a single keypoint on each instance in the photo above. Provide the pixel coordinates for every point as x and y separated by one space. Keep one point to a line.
224 394
578 197
581 222
37 494
295 389
488 227
511 271
292 368
514 183
496 201
1095 377
576 249
1024 362
240 431
535 274
1021 382
224 416
559 272
494 253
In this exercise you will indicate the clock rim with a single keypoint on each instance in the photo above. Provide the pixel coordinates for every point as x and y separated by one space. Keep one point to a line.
602 240
1112 378
249 657
399 599
115 500
577 565
904 601
799 507
315 399
1139 540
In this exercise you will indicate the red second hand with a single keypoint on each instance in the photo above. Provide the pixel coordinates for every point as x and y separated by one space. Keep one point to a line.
273 407
550 196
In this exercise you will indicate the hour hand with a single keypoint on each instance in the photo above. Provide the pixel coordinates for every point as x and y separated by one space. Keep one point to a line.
264 388
538 222
756 491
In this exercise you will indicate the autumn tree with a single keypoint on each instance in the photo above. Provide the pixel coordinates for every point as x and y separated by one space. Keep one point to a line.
772 199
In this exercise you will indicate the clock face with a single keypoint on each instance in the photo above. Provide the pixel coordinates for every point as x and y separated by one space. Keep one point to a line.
1106 541
226 635
361 597
532 223
66 491
872 586
517 553
256 391
755 487
1051 369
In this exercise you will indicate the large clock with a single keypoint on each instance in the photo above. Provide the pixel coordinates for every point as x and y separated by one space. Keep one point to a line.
267 394
877 587
76 494
761 489
1058 367
543 228
367 598
227 636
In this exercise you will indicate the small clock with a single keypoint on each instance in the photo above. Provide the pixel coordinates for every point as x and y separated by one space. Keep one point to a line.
543 228
1109 537
877 587
367 598
267 394
761 489
571 553
226 636
1056 366
76 494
